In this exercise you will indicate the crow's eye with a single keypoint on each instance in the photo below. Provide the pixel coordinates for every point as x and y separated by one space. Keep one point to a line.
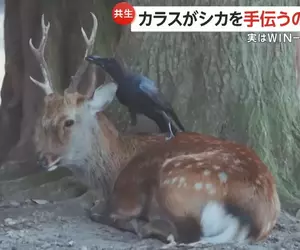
69 123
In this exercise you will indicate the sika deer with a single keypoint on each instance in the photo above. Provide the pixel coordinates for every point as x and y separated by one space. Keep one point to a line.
193 181
71 131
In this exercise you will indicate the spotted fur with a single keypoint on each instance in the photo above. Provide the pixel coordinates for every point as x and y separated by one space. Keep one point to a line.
192 180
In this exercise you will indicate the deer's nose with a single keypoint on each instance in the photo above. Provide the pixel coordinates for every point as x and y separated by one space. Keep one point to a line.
42 161
48 161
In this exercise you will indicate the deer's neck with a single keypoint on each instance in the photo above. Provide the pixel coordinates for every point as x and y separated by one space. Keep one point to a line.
122 148
97 152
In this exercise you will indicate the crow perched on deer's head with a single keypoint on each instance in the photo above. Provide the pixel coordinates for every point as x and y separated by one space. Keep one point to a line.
140 95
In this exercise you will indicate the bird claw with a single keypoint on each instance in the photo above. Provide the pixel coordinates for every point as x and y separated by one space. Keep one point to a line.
169 138
171 132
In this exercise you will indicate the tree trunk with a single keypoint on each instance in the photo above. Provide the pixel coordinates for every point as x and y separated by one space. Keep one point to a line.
218 83
21 99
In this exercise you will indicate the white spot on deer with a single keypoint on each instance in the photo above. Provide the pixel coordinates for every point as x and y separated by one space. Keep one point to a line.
182 179
216 167
212 190
209 186
236 161
226 157
174 180
223 177
181 182
197 157
170 173
200 164
206 172
198 186
189 166
177 164
167 181
257 182
249 158
236 168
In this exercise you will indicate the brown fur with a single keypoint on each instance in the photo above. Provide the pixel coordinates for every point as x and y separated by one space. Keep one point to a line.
251 187
185 173
50 133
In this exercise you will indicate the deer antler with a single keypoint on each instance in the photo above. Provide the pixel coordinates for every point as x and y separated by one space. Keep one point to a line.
39 54
89 48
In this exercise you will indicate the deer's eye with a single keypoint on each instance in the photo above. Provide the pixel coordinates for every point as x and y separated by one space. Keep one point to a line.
69 123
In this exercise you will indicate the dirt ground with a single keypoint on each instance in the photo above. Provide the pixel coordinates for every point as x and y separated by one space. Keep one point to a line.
41 225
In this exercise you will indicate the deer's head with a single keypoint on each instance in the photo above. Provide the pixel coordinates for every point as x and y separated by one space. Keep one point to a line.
63 113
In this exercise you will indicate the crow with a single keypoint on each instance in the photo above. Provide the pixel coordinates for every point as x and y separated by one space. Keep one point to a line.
140 95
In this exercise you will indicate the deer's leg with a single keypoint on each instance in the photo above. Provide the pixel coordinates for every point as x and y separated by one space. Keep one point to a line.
158 228
123 225
187 229
159 224
100 214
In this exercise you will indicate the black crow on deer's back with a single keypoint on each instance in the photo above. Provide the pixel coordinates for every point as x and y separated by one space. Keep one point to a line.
140 95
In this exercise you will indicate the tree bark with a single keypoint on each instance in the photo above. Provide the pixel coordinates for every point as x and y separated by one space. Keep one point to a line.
218 83
21 99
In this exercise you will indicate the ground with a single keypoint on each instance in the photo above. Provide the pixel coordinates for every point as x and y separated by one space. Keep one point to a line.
40 225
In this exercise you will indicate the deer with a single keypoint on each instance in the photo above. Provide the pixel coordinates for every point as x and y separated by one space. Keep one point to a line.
99 154
192 188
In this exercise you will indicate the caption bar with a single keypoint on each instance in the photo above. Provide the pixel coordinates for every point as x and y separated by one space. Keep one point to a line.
213 18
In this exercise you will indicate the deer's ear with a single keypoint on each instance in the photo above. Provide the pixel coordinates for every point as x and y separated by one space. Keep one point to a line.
102 97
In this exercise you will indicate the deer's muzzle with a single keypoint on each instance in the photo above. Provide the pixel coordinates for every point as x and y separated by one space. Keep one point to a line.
49 161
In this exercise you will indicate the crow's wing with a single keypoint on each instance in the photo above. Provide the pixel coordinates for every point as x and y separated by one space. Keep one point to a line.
149 88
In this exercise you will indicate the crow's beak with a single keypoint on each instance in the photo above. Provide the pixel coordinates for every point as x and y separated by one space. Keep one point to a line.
94 59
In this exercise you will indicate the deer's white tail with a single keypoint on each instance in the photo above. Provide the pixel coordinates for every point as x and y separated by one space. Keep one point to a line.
220 225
